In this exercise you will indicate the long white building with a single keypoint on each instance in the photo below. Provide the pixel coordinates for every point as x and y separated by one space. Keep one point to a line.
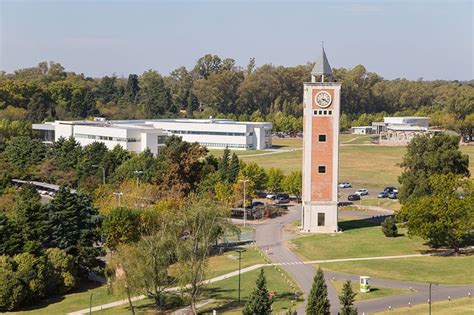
137 135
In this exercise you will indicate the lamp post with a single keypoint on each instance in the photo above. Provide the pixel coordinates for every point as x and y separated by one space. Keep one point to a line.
90 304
138 173
240 251
429 300
245 209
103 172
118 194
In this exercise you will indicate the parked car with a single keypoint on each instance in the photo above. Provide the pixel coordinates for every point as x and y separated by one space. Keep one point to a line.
256 204
353 197
382 194
281 199
345 185
393 195
271 196
362 192
391 189
52 193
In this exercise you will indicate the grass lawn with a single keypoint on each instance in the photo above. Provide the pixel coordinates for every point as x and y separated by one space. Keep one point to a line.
361 238
72 302
375 292
355 139
392 204
287 143
372 166
447 270
463 306
219 152
225 294
229 261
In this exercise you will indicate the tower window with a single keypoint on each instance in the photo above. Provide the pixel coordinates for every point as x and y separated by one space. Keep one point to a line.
322 138
325 112
321 169
315 112
330 112
320 112
321 219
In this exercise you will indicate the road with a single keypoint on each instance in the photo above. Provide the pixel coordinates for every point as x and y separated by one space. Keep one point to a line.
271 235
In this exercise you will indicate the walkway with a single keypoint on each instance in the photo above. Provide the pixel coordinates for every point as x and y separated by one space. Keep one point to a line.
272 235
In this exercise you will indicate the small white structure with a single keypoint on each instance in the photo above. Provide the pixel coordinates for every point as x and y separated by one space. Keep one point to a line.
364 284
137 135
362 130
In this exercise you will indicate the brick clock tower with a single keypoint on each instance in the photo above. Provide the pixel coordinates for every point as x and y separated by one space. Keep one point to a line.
321 106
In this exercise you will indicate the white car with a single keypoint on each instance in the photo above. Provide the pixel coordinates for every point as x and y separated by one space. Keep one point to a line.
345 185
271 196
362 192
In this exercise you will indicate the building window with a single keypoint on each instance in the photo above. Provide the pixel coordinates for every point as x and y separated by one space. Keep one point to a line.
325 112
322 138
321 169
330 112
321 219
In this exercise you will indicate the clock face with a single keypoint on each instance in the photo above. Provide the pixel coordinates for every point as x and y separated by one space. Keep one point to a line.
323 99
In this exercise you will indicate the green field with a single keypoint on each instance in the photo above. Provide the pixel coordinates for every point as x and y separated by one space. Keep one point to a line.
369 239
224 293
375 292
74 301
463 306
448 270
228 262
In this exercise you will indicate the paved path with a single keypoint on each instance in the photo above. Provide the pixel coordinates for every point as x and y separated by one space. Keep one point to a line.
272 235
271 152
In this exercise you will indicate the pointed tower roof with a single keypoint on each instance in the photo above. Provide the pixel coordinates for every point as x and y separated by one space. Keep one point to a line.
322 66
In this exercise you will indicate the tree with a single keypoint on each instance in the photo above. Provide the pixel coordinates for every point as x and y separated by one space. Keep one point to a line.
23 153
347 300
446 216
292 183
153 96
224 162
202 222
254 173
425 157
39 107
234 168
120 227
60 271
274 179
389 227
74 226
259 302
11 241
132 89
318 302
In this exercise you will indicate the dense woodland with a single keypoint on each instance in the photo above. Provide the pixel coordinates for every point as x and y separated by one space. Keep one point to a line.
217 87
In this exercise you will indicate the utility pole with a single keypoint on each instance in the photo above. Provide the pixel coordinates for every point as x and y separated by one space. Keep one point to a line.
240 250
245 209
429 300
138 173
118 194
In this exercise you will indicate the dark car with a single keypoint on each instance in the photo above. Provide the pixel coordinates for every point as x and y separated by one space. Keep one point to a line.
353 197
256 204
282 198
393 195
390 190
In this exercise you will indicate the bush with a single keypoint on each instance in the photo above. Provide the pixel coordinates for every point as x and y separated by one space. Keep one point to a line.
389 227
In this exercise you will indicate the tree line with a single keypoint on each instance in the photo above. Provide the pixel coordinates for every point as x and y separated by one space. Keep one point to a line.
217 87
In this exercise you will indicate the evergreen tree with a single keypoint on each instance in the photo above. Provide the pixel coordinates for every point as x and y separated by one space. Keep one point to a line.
132 89
318 302
74 227
234 168
10 236
347 300
259 302
224 164
389 227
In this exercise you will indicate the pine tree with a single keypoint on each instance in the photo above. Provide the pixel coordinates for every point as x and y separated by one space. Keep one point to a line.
234 168
347 300
259 303
224 164
389 227
318 302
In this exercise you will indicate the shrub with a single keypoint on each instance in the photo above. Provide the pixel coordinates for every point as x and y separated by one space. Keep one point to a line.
389 227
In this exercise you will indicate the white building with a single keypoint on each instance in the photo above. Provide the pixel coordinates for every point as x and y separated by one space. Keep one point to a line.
400 130
137 135
362 130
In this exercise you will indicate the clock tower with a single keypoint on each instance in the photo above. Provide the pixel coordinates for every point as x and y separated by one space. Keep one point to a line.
321 108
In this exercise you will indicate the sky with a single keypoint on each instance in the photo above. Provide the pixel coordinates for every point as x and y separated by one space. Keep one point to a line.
396 39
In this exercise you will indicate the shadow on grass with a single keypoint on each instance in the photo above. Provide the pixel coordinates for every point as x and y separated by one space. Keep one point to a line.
361 223
82 287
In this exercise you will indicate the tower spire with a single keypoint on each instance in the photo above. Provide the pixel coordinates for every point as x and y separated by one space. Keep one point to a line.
322 67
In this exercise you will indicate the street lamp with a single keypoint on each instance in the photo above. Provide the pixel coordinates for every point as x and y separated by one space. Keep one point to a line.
118 194
429 300
103 172
245 209
138 173
240 251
